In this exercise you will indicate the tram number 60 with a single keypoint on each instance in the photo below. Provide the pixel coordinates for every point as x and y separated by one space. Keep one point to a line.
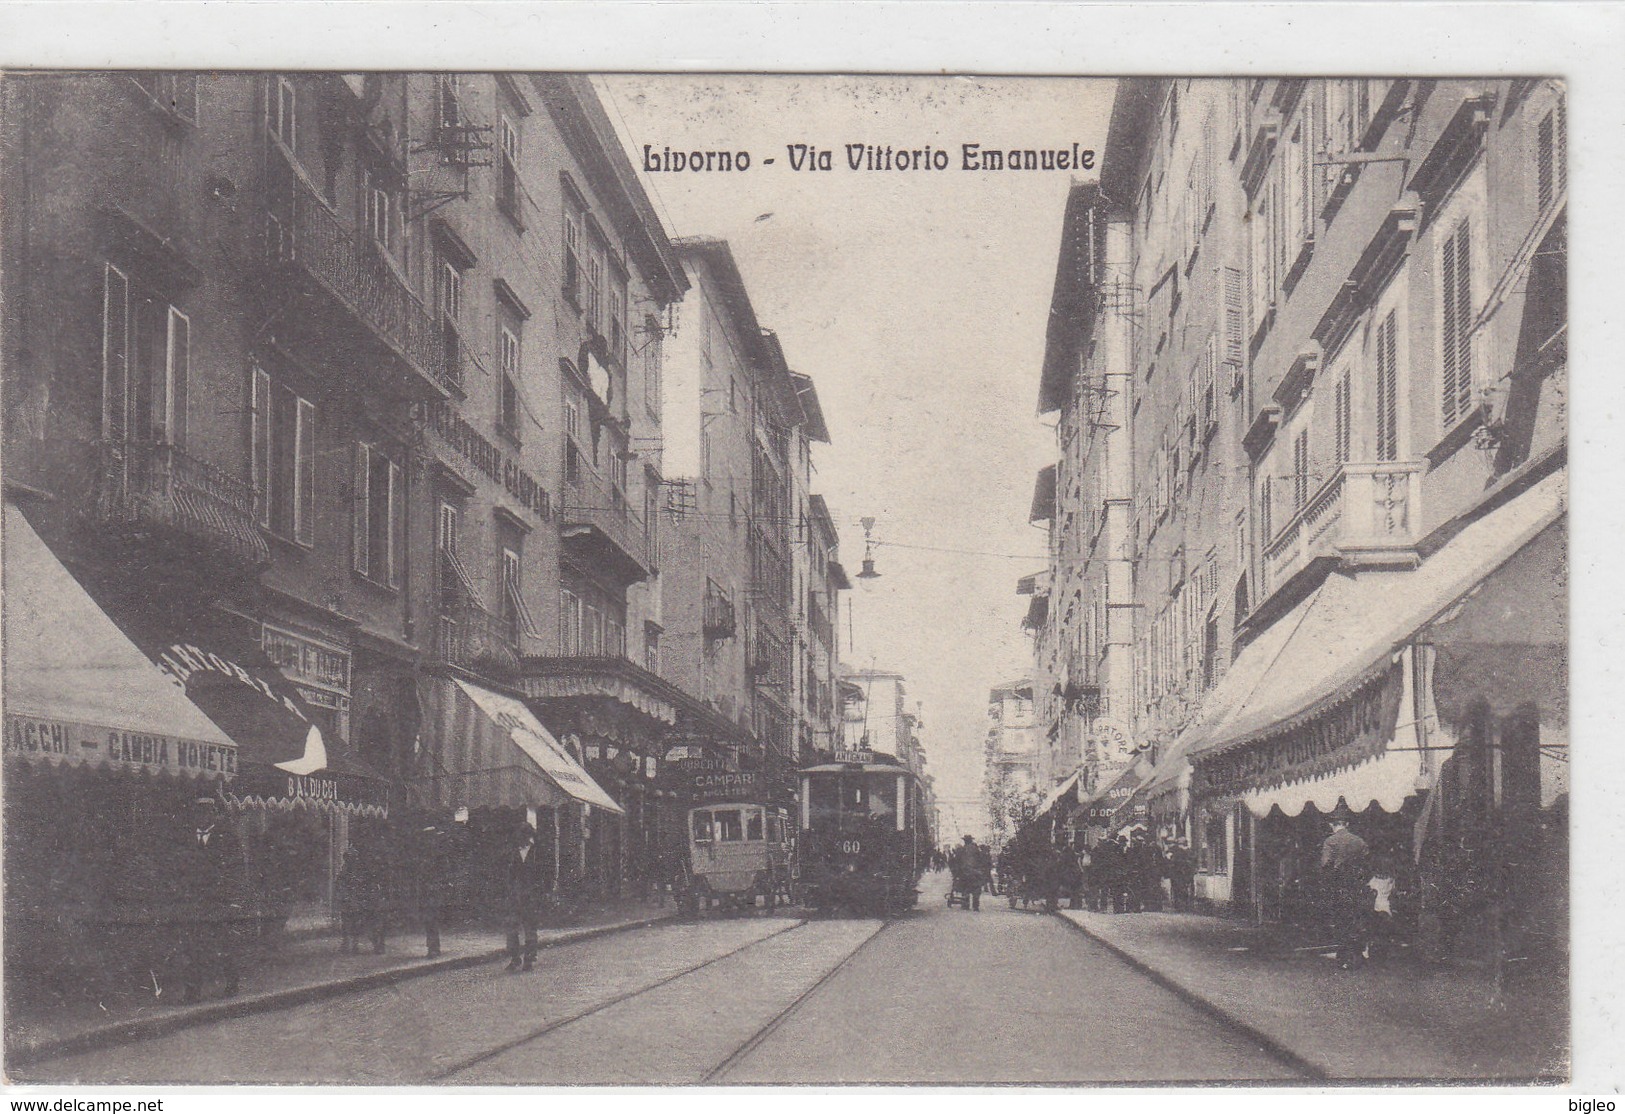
850 846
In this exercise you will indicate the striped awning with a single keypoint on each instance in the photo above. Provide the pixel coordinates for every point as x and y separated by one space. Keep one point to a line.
489 751
78 692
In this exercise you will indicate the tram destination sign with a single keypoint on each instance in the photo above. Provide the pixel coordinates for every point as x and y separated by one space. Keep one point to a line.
855 757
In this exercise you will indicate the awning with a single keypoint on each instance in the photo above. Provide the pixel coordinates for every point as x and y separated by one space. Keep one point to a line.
1117 794
612 678
491 752
78 692
285 759
1061 790
1506 643
1043 508
1385 781
1336 661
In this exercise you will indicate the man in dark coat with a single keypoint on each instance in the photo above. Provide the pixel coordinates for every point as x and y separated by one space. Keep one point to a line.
434 883
528 879
210 876
1343 879
1182 875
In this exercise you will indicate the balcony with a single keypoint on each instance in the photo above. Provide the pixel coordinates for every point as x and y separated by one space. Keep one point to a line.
1365 514
356 284
598 523
158 489
472 638
820 624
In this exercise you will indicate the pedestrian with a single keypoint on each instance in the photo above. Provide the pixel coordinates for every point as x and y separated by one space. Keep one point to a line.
351 915
1343 878
972 866
1380 934
527 880
1182 875
434 884
210 873
372 892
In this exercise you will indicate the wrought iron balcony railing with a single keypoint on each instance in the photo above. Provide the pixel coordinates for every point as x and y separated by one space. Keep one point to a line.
595 508
153 485
472 638
307 233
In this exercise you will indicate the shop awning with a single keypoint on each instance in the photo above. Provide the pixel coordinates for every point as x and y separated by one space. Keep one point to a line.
286 758
1117 795
611 678
1335 667
78 692
491 752
1385 781
1061 790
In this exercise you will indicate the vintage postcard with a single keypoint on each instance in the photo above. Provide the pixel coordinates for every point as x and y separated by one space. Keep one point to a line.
559 578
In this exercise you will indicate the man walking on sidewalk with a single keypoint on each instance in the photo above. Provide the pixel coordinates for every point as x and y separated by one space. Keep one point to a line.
527 881
1343 878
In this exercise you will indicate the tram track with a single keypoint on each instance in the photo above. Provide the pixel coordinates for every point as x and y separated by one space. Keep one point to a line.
755 1039
533 1035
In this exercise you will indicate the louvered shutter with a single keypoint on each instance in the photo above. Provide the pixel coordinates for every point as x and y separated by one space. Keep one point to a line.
1387 401
1455 332
260 445
360 502
304 507
1341 431
115 353
397 524
176 374
1235 339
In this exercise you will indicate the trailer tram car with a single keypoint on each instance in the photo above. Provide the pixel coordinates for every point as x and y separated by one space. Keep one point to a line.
864 838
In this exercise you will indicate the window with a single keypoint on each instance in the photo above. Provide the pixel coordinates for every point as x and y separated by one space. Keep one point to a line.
508 188
284 112
1300 470
1341 418
592 631
1266 511
455 580
702 827
1456 325
379 526
614 636
617 320
378 208
569 623
284 459
1260 259
653 364
448 297
1215 845
1551 155
572 255
508 404
651 648
595 286
515 613
451 110
728 827
1386 402
146 364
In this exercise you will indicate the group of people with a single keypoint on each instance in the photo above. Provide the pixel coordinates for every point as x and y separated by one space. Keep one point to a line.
1125 874
1356 893
971 866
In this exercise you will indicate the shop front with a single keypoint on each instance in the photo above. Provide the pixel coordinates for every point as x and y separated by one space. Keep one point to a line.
622 721
103 756
490 764
1350 712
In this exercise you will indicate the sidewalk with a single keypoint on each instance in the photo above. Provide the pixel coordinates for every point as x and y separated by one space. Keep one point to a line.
1395 1018
306 968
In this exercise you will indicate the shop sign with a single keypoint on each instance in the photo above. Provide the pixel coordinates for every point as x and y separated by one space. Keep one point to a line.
468 443
78 744
306 661
1115 742
312 788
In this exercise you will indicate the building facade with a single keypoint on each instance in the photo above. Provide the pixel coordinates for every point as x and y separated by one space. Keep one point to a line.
1345 312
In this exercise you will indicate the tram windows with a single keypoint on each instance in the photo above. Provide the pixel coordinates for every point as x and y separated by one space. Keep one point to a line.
825 797
775 829
753 826
702 827
728 827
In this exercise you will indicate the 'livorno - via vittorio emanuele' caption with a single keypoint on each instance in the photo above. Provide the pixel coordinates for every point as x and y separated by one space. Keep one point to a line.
873 157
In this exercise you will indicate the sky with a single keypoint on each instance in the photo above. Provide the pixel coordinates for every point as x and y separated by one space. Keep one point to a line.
917 302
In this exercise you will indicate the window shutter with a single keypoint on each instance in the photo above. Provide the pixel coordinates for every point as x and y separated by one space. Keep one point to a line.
397 524
360 503
260 445
115 353
1456 365
176 375
1234 325
1560 137
304 522
1545 155
1266 512
1341 419
1387 391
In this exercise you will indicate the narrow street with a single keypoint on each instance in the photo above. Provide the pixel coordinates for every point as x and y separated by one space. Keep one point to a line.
939 996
